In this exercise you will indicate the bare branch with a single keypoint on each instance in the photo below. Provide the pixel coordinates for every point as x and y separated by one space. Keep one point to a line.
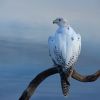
43 75
36 81
88 78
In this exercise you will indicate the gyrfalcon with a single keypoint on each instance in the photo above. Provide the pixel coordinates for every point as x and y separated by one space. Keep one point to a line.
64 49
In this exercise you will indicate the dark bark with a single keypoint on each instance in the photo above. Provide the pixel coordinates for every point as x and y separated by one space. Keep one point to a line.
88 78
36 81
43 75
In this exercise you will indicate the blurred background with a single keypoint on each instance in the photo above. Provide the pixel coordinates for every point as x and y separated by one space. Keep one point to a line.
25 26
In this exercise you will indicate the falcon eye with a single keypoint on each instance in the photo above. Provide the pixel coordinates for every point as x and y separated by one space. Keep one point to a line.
59 19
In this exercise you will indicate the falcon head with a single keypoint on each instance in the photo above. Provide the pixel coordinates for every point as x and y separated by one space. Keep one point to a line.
60 22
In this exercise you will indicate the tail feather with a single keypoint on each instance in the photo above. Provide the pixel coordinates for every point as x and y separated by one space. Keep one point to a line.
65 85
64 75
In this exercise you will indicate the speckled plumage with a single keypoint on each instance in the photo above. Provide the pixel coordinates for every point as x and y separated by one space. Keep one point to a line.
64 49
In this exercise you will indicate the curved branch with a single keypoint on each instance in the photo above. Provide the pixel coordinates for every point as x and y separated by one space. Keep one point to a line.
36 81
88 78
43 75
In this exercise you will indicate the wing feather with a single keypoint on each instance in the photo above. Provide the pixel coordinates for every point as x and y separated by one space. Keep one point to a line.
65 47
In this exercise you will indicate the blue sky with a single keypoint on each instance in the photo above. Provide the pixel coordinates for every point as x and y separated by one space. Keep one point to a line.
46 10
31 21
37 15
25 26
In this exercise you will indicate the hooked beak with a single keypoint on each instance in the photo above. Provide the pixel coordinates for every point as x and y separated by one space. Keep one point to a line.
54 22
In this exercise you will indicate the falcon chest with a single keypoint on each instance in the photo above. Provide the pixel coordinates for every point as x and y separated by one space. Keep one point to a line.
66 49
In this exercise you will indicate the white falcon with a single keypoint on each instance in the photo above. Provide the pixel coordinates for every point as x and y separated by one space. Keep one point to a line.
64 49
